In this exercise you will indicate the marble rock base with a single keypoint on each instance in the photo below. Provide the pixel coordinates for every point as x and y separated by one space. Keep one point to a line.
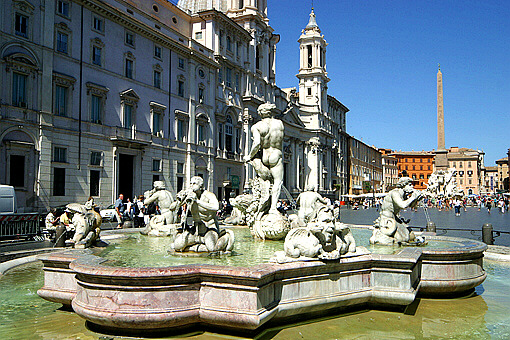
138 299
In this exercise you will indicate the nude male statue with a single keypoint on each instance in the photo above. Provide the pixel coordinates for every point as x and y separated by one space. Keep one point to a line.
390 227
309 202
402 197
268 137
165 201
204 234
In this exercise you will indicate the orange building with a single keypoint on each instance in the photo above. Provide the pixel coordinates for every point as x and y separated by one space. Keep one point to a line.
419 165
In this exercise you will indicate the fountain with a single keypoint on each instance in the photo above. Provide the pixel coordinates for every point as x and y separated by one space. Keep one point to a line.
321 268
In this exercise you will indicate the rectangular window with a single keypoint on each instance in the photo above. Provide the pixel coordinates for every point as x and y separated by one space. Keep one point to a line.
129 69
309 91
181 132
238 48
128 116
59 155
63 8
98 24
130 39
59 182
62 39
157 51
156 123
238 141
96 55
220 76
95 176
201 133
61 101
17 171
96 158
229 77
229 44
220 136
181 63
180 168
198 35
21 25
95 109
19 89
157 79
237 81
180 88
180 183
200 95
156 165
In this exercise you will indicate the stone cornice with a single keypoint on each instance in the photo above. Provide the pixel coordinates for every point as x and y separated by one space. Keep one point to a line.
226 21
135 25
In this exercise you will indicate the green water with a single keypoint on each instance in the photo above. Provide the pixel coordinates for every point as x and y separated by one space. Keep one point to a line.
143 251
483 315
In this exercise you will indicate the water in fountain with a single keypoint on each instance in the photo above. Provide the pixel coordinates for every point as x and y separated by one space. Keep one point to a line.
484 315
142 251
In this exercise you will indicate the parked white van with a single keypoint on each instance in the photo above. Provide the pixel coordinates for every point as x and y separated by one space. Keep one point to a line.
7 199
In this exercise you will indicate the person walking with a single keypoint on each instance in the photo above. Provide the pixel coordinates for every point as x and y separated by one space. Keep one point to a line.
129 206
488 204
119 209
138 213
456 204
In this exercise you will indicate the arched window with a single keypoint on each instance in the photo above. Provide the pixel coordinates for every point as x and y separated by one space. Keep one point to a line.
229 132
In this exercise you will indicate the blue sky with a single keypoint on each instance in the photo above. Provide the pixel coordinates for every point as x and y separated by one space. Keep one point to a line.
382 59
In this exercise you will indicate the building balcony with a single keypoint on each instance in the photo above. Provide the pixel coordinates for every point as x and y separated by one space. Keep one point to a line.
224 154
19 113
129 137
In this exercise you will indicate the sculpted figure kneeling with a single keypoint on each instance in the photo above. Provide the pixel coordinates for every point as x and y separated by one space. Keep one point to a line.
201 233
390 228
161 225
85 222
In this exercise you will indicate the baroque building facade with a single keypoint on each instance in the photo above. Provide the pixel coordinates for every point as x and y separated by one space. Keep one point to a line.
469 166
419 165
105 97
365 168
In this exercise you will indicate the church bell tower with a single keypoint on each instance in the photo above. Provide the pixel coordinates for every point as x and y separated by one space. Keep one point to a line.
312 75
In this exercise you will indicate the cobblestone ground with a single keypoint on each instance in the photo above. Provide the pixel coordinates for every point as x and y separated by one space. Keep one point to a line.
471 219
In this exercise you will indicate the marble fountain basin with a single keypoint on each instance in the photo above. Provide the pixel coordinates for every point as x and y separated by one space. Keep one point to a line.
124 299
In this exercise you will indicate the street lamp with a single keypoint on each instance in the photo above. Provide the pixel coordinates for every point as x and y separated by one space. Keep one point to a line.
373 180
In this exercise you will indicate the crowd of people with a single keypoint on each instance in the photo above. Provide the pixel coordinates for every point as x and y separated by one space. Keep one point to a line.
134 210
457 204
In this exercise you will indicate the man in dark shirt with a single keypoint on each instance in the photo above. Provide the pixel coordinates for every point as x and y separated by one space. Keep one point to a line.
119 208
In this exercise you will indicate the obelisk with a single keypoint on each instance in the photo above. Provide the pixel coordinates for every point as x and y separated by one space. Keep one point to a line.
441 161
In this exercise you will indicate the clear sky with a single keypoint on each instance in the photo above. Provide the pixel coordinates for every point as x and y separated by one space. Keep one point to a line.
382 60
